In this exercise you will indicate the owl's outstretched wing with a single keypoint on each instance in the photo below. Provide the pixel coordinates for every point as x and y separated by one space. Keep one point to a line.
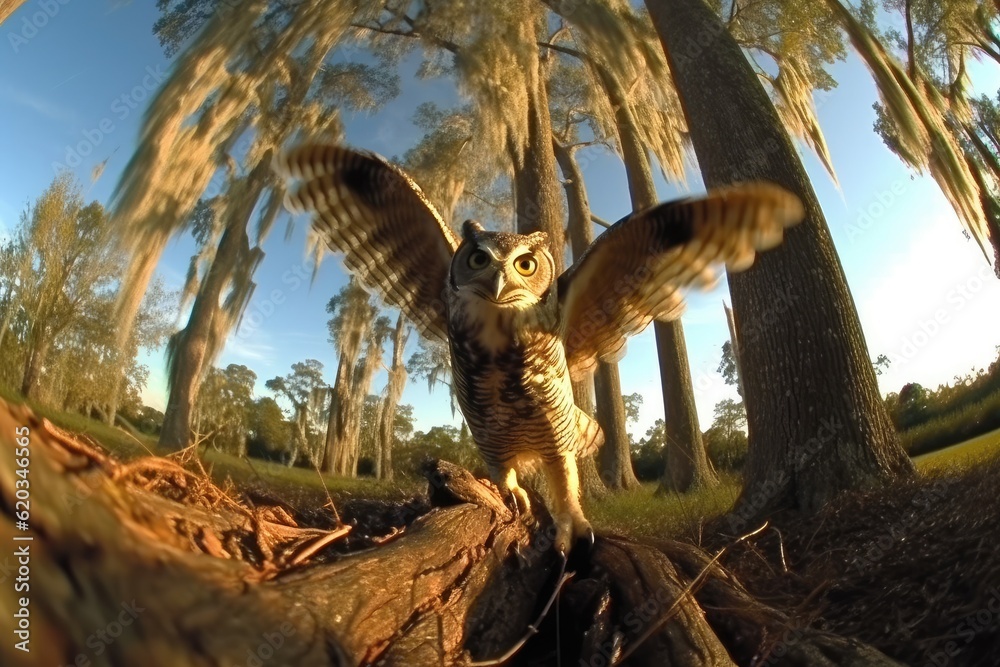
392 238
633 273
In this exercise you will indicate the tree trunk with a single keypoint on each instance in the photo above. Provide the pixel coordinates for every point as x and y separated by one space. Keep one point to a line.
33 367
335 456
223 583
591 484
363 376
817 425
615 456
343 436
387 410
539 206
734 347
590 394
137 278
991 207
192 344
684 447
687 466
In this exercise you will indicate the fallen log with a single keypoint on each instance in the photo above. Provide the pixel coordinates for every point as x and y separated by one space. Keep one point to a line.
124 569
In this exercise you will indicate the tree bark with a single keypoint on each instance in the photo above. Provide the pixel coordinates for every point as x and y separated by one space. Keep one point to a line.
193 342
335 457
539 206
615 456
33 366
817 425
684 448
601 395
687 465
215 581
387 410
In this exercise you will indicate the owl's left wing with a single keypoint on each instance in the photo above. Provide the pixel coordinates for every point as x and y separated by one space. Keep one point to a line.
634 271
392 238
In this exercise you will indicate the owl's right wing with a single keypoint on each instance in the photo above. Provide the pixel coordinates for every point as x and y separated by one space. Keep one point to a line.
634 272
392 238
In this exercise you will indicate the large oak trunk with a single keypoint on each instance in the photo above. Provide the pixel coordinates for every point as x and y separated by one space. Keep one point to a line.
193 342
687 466
684 453
615 456
539 206
601 396
817 425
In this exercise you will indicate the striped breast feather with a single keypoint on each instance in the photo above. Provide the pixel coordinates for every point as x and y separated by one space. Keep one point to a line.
391 236
636 270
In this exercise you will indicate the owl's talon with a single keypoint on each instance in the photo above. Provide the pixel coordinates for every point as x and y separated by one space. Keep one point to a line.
564 533
574 541
522 558
521 503
585 540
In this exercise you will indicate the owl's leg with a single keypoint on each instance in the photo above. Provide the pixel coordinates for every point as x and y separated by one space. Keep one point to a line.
564 483
507 477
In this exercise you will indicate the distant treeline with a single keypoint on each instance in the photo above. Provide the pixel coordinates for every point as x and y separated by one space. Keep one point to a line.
928 420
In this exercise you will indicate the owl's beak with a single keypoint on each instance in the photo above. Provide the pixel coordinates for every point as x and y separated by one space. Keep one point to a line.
499 283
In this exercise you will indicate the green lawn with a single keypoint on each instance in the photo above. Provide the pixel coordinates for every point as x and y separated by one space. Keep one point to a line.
962 455
122 444
284 480
642 511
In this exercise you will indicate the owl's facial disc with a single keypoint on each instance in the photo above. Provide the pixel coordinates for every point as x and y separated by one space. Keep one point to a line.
499 278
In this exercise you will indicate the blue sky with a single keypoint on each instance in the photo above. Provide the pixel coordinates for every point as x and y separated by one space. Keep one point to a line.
926 296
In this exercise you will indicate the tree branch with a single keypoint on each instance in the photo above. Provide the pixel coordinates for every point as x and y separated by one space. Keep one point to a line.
413 33
600 221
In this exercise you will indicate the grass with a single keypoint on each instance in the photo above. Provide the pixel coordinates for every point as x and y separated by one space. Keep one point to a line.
253 474
643 512
122 444
299 482
954 427
964 455
637 512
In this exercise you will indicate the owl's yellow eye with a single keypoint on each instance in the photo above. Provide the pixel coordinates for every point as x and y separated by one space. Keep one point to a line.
525 265
478 259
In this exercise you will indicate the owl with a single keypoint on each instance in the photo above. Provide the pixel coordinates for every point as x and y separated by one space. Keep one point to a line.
519 334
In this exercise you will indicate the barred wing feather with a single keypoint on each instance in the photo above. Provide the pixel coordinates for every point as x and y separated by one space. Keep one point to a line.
391 237
635 271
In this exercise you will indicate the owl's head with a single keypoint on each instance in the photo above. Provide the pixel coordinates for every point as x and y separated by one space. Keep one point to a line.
510 270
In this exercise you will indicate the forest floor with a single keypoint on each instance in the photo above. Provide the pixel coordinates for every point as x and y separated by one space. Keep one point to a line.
913 569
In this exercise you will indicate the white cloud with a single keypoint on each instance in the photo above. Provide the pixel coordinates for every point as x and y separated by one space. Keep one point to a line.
38 105
245 349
